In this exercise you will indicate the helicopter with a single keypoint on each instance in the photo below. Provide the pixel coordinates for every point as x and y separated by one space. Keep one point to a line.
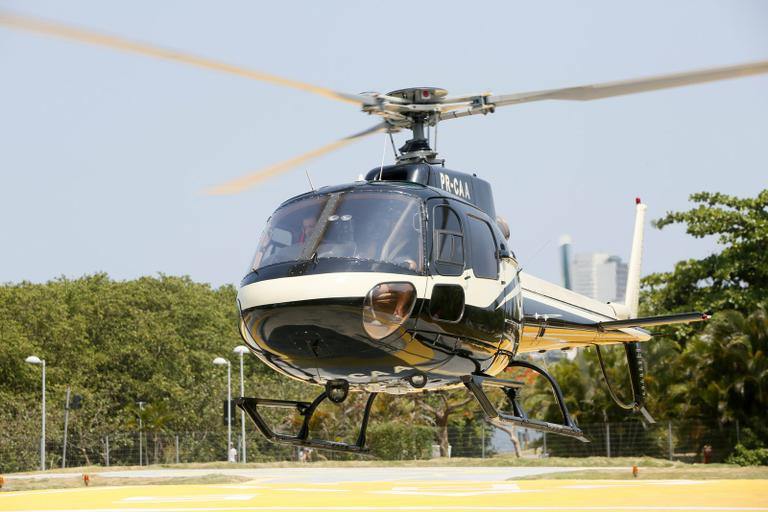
404 281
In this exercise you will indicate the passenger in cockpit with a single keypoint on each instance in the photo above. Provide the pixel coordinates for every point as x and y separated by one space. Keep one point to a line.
307 226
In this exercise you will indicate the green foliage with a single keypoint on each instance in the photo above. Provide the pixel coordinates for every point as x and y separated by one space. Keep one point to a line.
748 457
718 369
736 277
723 371
394 440
115 343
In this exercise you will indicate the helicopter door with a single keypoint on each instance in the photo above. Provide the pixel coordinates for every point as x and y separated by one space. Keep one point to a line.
447 263
463 291
485 289
442 318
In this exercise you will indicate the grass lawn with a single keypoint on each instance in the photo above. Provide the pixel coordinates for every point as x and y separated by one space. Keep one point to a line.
687 472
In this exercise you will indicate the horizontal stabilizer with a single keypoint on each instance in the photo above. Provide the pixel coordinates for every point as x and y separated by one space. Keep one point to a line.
650 321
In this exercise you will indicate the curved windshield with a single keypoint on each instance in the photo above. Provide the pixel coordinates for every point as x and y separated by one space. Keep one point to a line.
376 226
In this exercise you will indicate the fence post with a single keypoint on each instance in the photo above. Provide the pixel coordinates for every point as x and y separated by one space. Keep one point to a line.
544 453
608 440
177 448
107 450
738 433
482 443
669 435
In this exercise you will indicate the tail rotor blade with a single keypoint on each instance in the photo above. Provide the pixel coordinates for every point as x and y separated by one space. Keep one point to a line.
64 31
240 184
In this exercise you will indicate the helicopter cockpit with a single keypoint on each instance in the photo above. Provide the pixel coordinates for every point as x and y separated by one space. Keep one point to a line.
375 226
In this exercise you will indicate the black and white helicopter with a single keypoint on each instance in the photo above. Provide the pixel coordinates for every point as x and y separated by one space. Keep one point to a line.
404 281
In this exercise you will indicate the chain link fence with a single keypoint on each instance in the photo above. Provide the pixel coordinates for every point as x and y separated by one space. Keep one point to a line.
682 441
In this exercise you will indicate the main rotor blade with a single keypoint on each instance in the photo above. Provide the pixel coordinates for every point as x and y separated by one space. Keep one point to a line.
609 89
90 37
240 184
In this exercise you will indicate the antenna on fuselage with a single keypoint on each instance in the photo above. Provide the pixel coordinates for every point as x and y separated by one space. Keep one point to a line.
383 156
311 186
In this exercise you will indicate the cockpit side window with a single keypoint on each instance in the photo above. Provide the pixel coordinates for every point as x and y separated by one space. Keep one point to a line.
484 252
448 250
287 231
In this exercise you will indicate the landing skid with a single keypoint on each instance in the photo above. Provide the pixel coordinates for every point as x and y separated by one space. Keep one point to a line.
305 409
518 416
474 384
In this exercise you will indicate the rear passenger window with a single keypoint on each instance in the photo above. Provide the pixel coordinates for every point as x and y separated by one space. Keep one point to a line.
484 251
448 242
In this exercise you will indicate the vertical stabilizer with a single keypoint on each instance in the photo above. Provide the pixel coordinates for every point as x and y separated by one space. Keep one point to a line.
635 259
635 361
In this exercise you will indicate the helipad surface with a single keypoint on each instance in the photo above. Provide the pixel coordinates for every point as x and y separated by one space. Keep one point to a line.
363 489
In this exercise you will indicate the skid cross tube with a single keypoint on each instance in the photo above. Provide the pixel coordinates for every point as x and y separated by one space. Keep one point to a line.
306 410
474 384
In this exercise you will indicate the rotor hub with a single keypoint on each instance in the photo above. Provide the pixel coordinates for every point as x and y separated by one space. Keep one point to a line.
420 95
417 114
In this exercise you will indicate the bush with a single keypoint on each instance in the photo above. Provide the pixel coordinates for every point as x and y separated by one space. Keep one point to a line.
748 457
397 441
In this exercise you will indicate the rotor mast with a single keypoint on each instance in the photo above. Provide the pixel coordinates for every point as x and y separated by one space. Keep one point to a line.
419 114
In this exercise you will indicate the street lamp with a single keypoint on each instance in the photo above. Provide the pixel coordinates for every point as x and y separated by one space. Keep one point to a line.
221 362
37 360
141 405
242 349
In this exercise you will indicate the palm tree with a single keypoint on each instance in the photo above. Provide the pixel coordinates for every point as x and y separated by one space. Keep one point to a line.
153 419
733 355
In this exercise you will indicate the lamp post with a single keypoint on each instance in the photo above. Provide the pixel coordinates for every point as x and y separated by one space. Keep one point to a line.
221 362
37 360
242 349
141 430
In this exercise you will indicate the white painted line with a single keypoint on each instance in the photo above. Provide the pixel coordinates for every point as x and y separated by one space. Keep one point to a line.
613 484
441 490
182 499
239 486
67 490
417 507
307 489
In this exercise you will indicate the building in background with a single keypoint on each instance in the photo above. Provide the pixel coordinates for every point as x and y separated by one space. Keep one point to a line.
600 276
597 275
565 261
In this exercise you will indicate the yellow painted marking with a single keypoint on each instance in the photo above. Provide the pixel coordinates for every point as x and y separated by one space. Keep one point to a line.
538 495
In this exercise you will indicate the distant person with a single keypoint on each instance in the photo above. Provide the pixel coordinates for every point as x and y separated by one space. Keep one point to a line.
232 454
307 226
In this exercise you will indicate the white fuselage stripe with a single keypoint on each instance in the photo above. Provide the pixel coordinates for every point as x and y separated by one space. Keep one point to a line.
320 286
479 292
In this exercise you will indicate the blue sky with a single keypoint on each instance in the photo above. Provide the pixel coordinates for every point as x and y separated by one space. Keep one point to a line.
104 155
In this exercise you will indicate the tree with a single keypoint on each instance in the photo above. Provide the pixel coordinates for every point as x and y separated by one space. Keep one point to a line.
114 342
715 370
441 405
728 364
736 277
